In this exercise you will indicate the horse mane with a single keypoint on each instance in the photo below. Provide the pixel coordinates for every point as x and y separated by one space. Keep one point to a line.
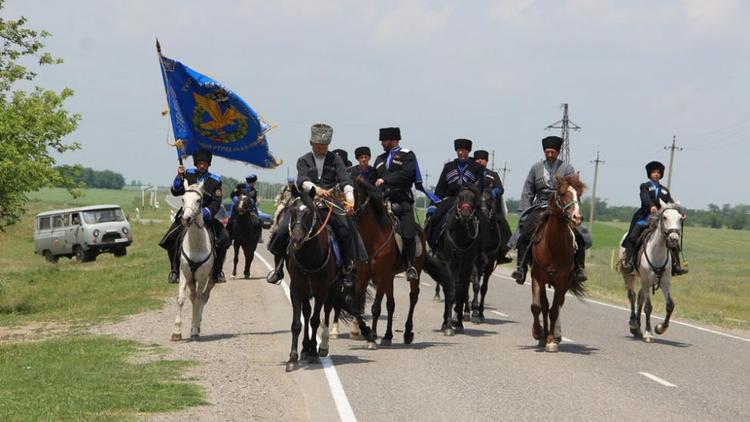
572 180
376 200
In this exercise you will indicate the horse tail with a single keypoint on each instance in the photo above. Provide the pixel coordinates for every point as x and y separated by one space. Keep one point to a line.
345 308
435 269
577 288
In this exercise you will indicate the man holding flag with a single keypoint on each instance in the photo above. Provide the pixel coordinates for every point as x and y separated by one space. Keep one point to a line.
208 119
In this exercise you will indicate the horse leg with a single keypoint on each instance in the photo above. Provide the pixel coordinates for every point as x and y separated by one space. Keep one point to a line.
638 310
236 259
669 303
483 291
553 338
296 327
545 313
634 325
436 298
177 329
354 330
195 323
390 306
413 298
375 316
449 289
536 309
647 308
314 357
325 329
306 311
461 291
335 325
475 285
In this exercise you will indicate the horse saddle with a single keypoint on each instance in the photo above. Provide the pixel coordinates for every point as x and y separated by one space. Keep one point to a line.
400 243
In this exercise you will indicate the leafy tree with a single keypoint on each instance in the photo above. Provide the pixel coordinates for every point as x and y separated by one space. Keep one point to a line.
33 122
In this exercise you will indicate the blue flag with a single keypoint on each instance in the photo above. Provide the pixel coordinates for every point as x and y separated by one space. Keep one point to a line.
207 115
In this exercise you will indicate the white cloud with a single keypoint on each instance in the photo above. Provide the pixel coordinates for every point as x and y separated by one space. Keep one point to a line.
509 11
704 14
411 21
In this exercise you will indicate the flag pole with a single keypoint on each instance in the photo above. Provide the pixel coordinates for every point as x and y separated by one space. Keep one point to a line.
177 143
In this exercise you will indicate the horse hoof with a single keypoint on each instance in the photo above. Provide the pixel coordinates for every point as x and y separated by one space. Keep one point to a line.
660 328
551 347
234 274
481 319
459 329
291 366
449 332
475 319
176 337
386 342
436 298
194 337
323 352
647 339
634 331
536 334
371 345
313 359
355 336
408 338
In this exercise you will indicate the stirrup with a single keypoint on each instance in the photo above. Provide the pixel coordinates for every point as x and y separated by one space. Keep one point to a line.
519 275
579 275
678 271
411 274
275 277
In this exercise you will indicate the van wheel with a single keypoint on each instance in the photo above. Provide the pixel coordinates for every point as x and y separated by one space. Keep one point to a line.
49 257
120 252
81 255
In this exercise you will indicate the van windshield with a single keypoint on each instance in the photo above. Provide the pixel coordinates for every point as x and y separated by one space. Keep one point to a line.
103 216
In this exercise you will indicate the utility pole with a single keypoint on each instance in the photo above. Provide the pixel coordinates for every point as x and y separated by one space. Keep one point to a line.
671 160
593 191
493 161
504 169
565 125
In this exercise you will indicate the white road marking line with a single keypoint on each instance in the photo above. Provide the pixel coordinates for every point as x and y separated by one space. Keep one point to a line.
568 340
343 406
426 284
653 377
674 321
500 313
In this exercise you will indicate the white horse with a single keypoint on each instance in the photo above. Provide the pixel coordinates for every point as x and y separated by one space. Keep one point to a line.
196 260
653 264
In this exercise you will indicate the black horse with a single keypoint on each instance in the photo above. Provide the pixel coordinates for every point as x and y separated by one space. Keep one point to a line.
459 247
246 232
498 239
313 272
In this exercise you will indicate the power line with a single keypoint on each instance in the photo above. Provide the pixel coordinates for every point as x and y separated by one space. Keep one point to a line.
504 170
671 160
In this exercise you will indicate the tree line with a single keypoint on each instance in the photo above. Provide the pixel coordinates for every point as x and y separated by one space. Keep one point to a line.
90 178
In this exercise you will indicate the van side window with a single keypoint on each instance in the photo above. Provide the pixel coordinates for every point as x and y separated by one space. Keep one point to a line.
57 221
44 223
76 219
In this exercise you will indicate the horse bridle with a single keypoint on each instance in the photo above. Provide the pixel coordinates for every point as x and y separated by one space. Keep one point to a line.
309 236
200 204
564 207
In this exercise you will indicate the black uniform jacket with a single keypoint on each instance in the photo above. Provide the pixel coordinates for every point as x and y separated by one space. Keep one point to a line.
648 192
212 192
369 174
334 172
400 175
451 179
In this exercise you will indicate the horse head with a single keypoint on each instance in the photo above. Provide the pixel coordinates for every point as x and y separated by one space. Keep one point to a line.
488 204
192 205
565 203
670 218
303 219
466 204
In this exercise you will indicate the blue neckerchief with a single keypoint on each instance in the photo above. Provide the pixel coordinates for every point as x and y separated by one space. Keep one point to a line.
461 171
418 183
657 188
391 153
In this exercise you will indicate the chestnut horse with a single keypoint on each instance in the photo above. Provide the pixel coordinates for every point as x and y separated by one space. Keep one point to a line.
552 259
378 229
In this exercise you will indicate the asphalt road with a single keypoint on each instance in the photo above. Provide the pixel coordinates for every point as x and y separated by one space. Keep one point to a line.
495 371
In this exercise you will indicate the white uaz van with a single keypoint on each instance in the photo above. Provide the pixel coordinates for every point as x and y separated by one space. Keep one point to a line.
82 232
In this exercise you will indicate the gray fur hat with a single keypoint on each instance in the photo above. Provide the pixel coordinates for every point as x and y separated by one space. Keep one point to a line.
321 133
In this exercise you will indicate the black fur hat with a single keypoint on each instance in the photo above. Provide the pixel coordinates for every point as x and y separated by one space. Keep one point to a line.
480 153
202 155
654 165
362 151
462 143
390 134
554 142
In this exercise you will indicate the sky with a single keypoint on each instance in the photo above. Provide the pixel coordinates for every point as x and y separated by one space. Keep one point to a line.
634 74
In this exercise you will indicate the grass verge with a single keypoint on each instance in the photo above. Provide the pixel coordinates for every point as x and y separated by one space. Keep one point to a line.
89 378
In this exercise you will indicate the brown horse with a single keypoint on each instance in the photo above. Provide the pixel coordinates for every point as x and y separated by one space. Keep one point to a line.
313 272
552 255
378 229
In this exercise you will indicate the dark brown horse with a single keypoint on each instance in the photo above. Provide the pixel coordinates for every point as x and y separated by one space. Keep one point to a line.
552 260
311 264
246 232
378 230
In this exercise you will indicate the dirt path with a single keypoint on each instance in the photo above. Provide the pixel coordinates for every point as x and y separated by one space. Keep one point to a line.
241 355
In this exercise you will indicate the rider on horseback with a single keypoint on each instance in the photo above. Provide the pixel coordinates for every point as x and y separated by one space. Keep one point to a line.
285 195
539 186
247 188
652 195
456 174
494 185
318 173
396 171
212 193
363 168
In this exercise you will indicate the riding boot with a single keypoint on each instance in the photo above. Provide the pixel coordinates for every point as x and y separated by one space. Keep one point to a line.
523 251
628 258
174 273
410 251
677 269
277 274
579 275
217 275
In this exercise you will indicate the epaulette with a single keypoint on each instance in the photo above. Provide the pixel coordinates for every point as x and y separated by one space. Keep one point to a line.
405 150
191 170
215 177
